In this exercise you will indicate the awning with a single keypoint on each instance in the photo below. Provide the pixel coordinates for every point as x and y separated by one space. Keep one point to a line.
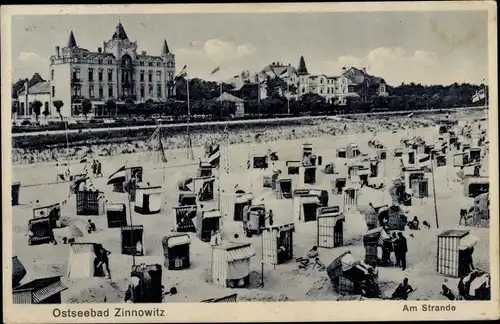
242 253
212 214
468 241
178 240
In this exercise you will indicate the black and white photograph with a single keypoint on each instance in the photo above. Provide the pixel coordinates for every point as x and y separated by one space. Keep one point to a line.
168 156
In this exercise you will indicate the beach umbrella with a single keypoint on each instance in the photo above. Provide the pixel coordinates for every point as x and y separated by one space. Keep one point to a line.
118 177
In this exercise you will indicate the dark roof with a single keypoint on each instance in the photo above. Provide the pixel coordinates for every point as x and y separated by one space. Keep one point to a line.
148 57
72 40
358 77
302 66
120 32
165 49
42 288
455 233
38 283
97 55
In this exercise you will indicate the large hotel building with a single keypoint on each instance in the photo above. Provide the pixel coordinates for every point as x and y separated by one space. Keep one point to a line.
115 71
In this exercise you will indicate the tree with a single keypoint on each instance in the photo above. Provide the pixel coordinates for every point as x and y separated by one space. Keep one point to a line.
86 107
36 106
110 106
311 102
129 106
46 113
58 104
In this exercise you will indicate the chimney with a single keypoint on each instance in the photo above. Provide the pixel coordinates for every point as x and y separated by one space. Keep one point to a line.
344 69
364 70
99 49
58 52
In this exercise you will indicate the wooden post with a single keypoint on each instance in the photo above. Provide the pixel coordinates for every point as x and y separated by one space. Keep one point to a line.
434 190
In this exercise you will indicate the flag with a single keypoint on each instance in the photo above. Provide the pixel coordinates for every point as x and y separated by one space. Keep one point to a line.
117 177
182 73
156 145
215 70
214 157
410 115
479 95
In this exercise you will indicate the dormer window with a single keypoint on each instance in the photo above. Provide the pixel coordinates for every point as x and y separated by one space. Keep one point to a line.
110 62
150 64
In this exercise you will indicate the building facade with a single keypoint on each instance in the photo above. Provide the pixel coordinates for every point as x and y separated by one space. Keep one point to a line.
352 82
37 92
116 71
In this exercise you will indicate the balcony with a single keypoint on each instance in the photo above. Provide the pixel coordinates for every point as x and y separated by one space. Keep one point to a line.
76 80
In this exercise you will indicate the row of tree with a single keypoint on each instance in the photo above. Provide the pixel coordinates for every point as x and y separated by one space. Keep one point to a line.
203 95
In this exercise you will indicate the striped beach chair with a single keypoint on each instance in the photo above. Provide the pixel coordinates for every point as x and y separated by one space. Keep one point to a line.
350 198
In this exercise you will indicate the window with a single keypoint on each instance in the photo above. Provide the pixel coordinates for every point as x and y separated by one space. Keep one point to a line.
99 75
30 108
91 75
141 63
110 61
303 90
150 76
52 75
170 76
142 76
76 74
101 92
110 75
150 89
142 91
46 104
158 76
158 64
110 91
158 90
99 61
77 90
150 64
53 91
22 108
91 91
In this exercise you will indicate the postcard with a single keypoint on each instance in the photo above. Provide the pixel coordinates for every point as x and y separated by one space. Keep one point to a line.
289 162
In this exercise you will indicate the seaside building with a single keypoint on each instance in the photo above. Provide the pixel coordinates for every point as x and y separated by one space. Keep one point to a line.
116 71
38 92
352 82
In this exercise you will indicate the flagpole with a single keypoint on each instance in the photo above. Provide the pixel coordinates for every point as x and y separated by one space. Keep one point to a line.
189 118
434 189
288 97
258 95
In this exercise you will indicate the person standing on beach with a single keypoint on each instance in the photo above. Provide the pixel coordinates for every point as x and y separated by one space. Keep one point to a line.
402 250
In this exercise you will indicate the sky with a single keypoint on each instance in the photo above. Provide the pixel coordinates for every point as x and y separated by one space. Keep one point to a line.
422 47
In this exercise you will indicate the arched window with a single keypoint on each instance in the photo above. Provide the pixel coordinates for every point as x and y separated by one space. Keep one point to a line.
126 61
